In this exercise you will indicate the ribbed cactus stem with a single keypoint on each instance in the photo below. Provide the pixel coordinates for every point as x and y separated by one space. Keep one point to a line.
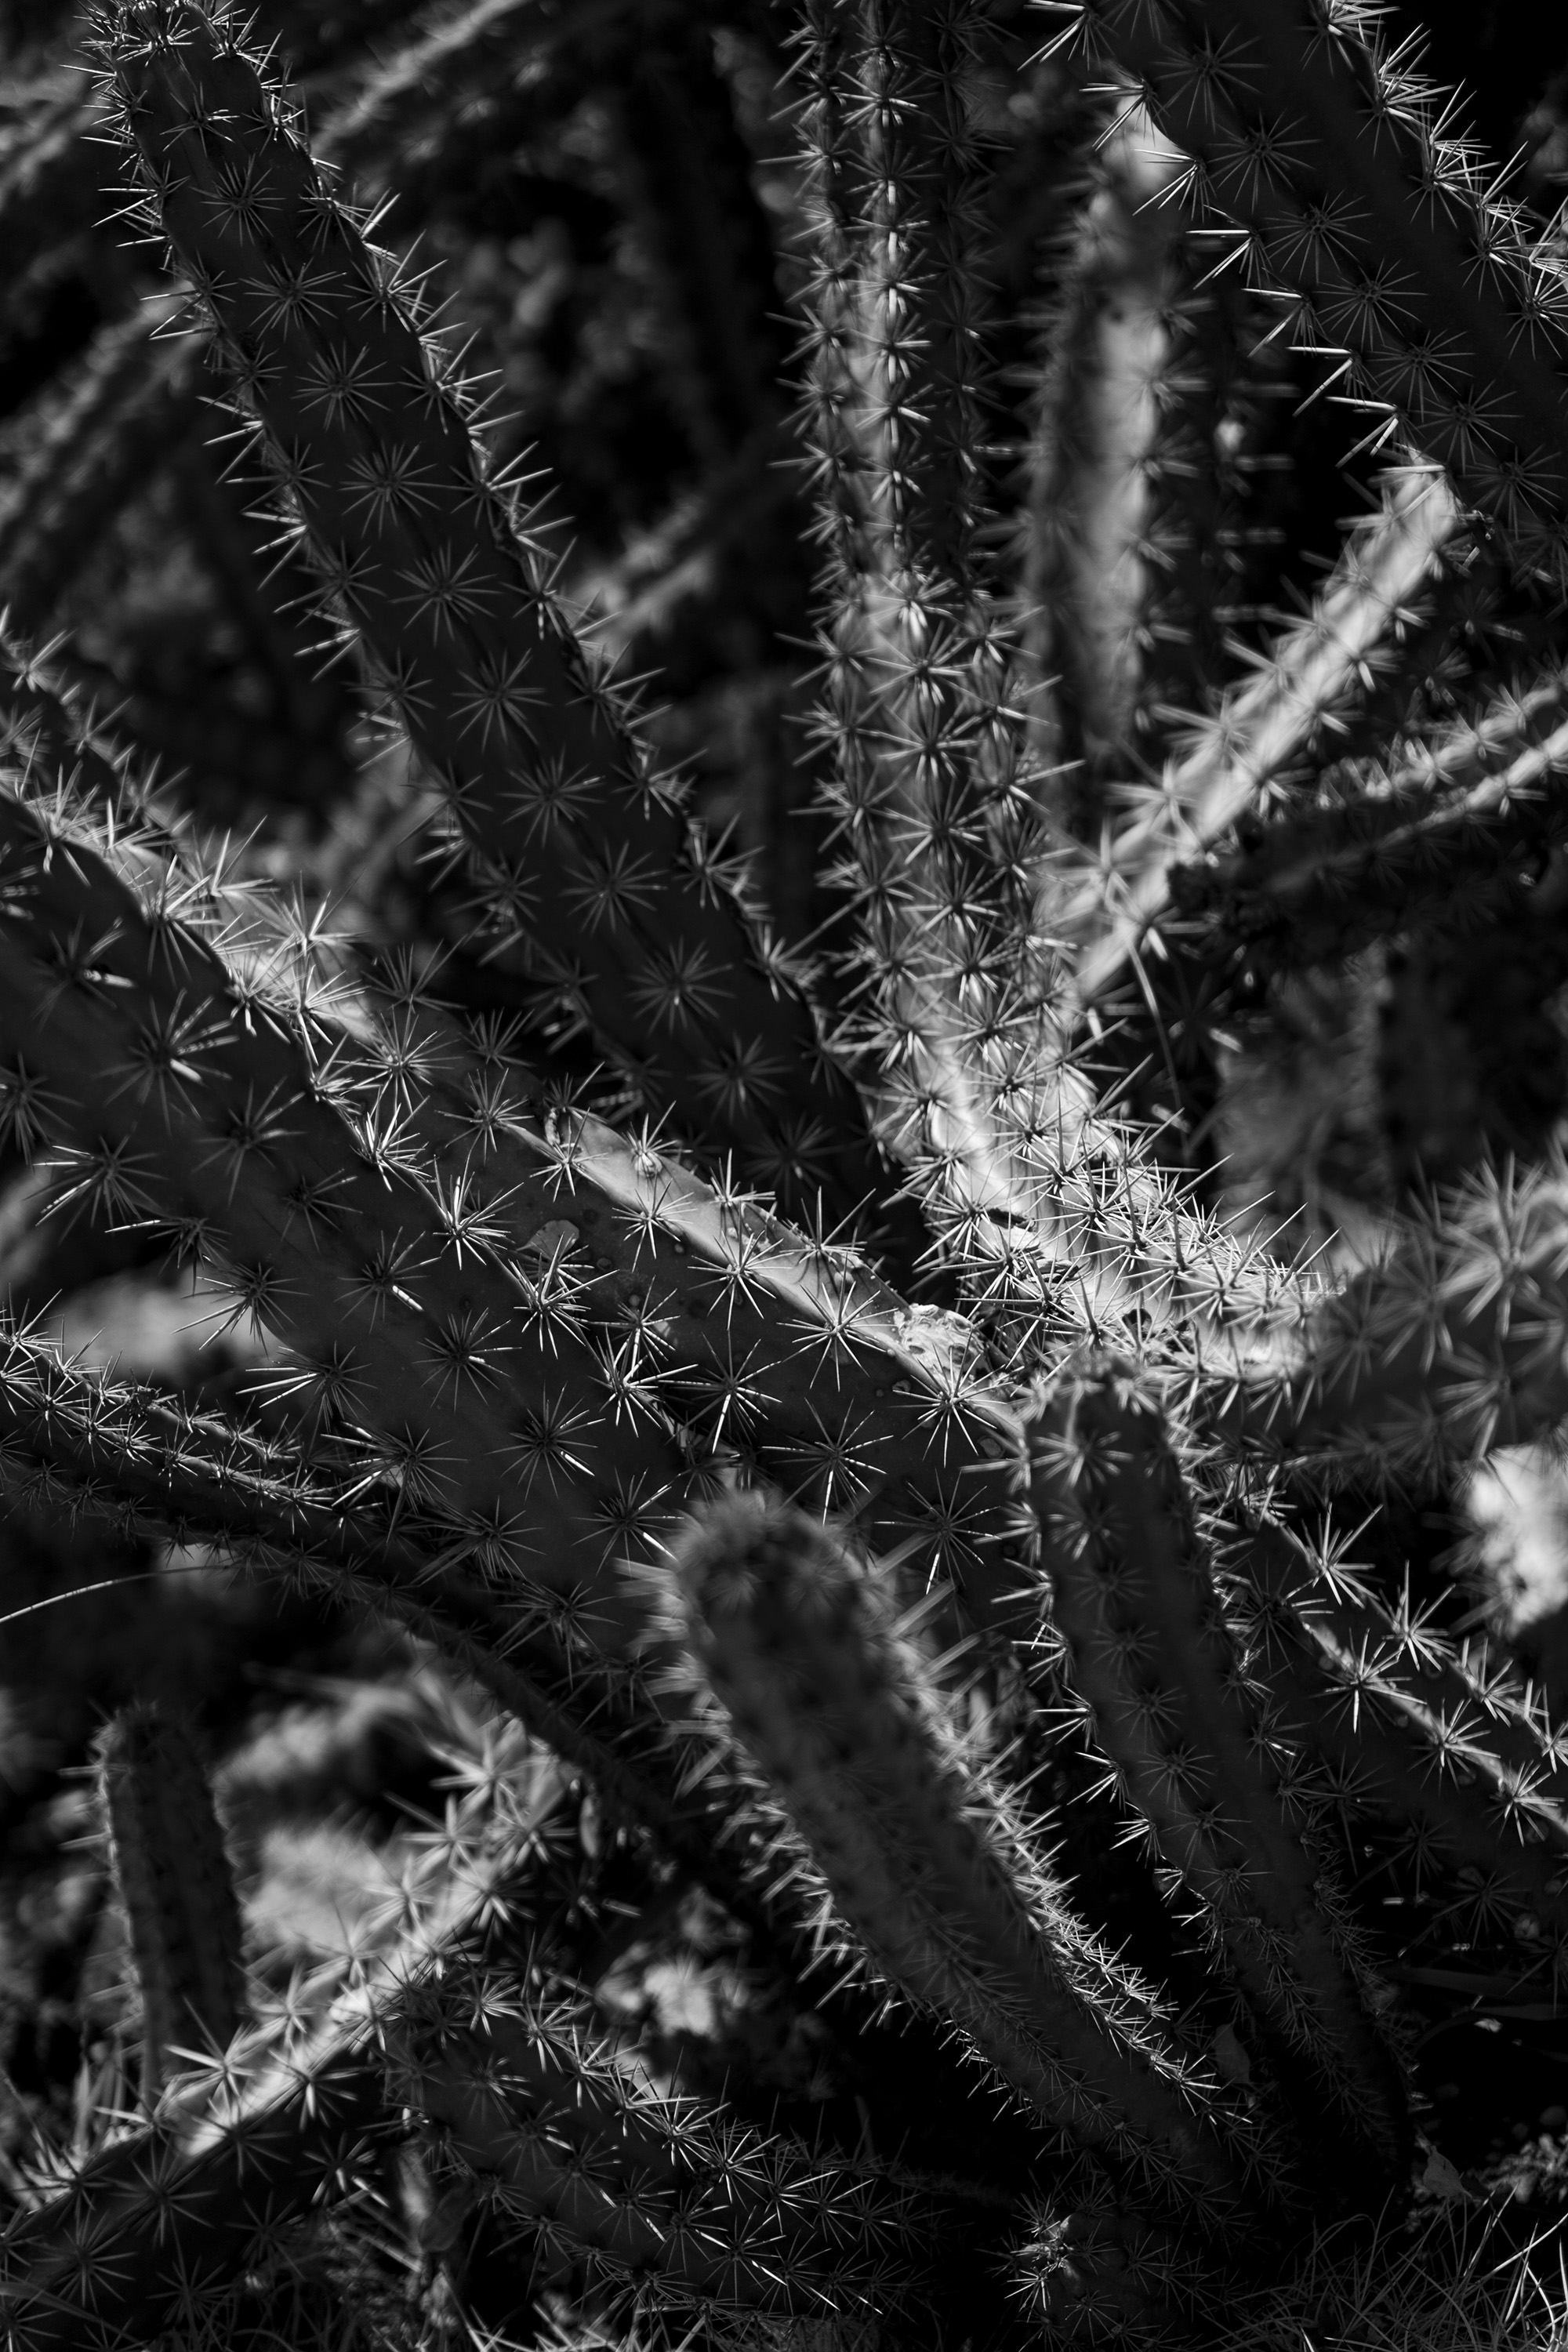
625 1277
1095 2274
174 1878
180 1091
671 2205
923 1855
153 2229
1177 1707
582 859
927 787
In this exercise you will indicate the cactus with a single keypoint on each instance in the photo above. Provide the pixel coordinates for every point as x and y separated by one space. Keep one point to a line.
531 745
1019 1853
1271 113
1185 1725
1435 838
174 1880
803 1658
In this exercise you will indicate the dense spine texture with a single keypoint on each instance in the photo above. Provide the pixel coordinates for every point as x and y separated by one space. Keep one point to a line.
564 827
928 792
990 1861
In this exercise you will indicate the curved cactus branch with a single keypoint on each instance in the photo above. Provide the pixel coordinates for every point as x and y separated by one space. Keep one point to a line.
924 1857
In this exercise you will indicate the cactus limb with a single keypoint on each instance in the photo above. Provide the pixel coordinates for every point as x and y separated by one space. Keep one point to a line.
1177 1709
1456 1344
562 824
174 1878
650 2197
114 1011
1097 2273
1328 155
670 2202
930 795
1444 832
925 1859
241 2146
1262 727
1411 1731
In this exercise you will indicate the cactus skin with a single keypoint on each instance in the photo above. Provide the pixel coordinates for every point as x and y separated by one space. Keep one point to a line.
667 1290
174 1878
1139 527
136 398
1095 2275
148 2232
653 2199
1328 158
928 796
924 1859
565 828
114 1018
1177 1709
